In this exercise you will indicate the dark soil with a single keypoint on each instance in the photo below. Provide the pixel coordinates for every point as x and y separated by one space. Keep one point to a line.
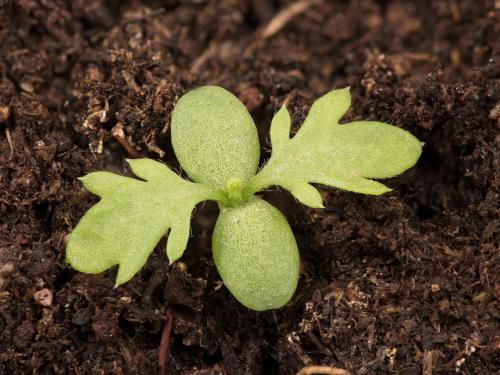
406 283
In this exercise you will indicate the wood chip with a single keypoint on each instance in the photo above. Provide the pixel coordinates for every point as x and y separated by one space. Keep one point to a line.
430 361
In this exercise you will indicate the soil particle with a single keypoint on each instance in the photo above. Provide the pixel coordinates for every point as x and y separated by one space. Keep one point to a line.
43 297
403 283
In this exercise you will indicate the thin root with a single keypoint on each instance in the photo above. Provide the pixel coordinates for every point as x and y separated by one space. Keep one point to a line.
165 341
283 17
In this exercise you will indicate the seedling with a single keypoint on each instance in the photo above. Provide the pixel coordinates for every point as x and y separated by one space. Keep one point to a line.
216 143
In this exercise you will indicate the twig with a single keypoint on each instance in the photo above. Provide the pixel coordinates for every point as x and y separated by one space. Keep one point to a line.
278 22
325 370
9 139
283 17
165 341
323 349
202 59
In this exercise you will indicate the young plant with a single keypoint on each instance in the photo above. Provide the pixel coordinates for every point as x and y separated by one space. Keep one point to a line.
216 143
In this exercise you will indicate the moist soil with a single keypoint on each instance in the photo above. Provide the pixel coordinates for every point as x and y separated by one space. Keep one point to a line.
404 283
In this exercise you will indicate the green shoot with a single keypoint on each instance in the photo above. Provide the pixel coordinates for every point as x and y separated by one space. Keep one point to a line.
216 143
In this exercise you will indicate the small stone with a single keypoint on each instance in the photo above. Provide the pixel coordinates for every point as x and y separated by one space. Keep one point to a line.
27 87
483 297
125 299
444 306
43 297
6 268
495 113
251 97
4 114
